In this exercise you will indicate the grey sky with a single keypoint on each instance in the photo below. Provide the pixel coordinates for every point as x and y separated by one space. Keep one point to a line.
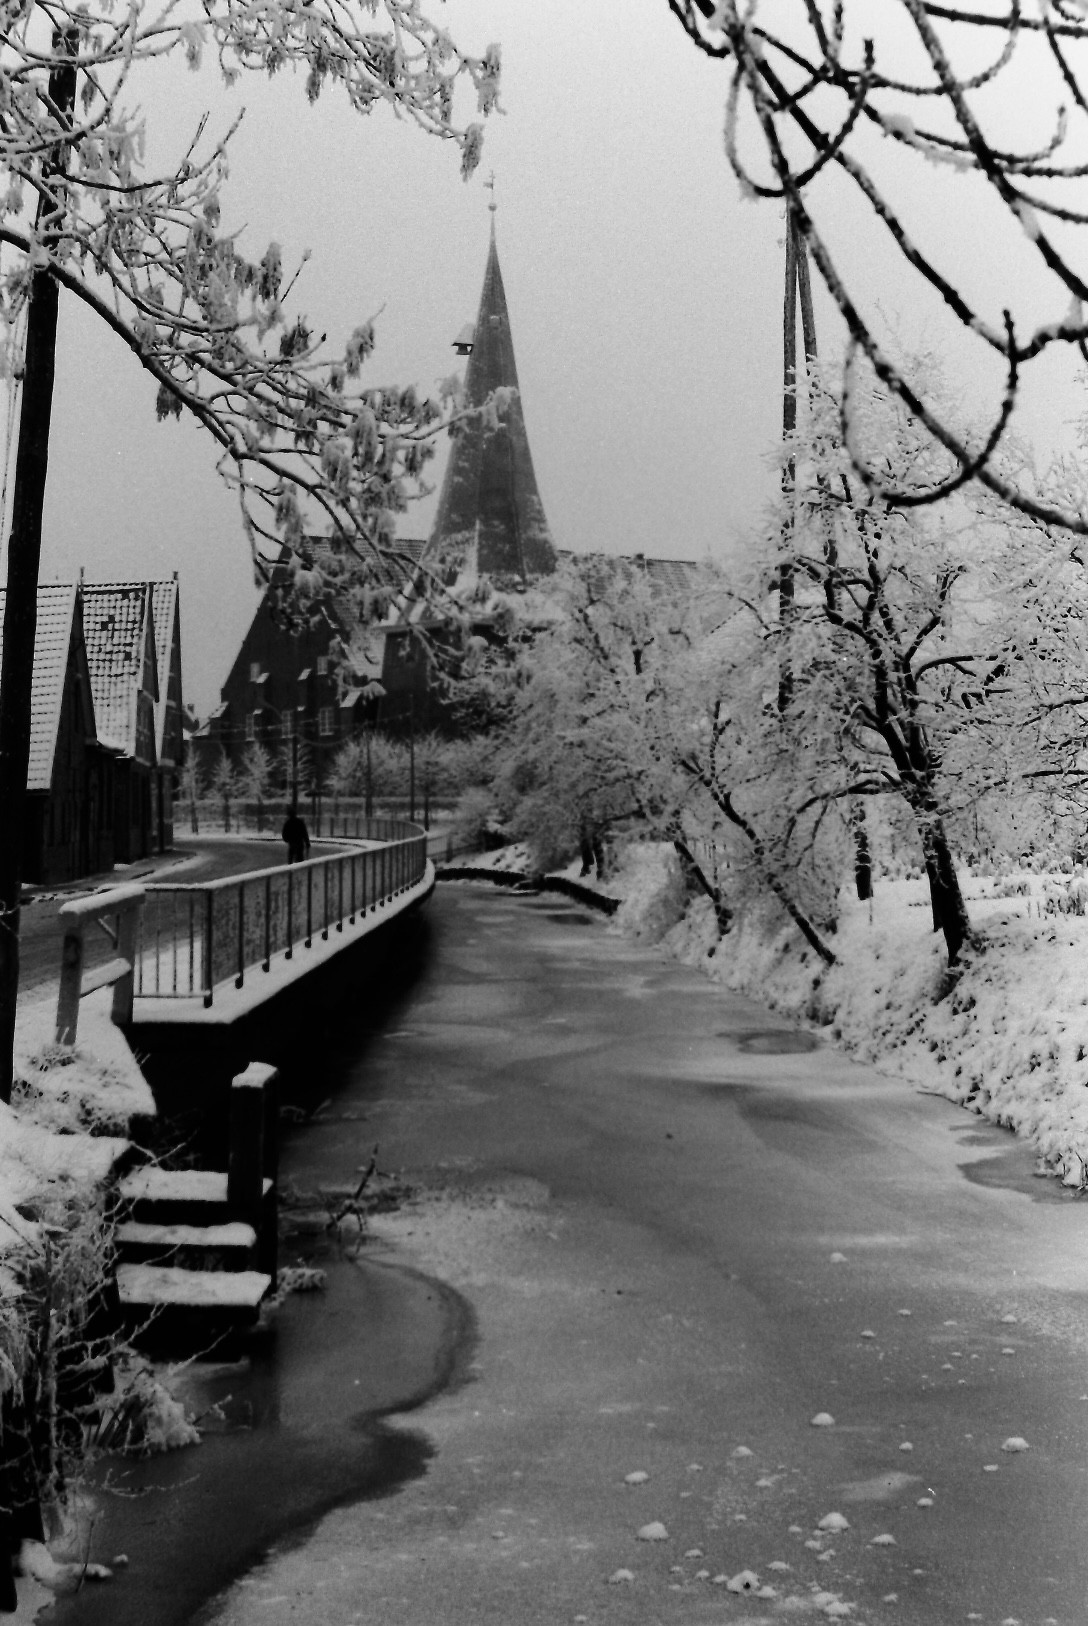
645 298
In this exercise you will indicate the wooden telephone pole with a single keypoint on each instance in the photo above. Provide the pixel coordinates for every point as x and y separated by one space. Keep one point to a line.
24 555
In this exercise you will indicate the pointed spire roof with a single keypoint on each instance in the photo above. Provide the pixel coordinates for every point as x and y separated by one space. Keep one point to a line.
490 512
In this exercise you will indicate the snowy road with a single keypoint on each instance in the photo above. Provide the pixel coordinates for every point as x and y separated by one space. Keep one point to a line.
680 1246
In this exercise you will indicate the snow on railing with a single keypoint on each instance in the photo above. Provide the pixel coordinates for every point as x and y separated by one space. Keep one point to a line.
198 936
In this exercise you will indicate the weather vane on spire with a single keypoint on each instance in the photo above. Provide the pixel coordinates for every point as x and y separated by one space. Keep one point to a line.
492 206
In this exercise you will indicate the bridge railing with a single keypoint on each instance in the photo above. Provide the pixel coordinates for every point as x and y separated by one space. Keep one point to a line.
198 936
117 913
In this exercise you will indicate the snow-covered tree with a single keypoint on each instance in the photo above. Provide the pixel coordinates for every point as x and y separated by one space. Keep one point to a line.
934 654
255 777
223 784
647 707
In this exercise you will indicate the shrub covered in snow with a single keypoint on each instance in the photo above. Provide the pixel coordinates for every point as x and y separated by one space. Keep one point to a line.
143 1417
651 882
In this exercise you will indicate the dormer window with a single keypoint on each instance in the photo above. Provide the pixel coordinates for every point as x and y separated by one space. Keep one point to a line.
254 671
322 666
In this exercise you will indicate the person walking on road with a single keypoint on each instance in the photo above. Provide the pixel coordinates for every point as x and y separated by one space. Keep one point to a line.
297 837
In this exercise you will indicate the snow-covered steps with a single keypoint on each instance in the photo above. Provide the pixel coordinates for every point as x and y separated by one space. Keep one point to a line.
178 1196
164 1304
151 1285
231 1246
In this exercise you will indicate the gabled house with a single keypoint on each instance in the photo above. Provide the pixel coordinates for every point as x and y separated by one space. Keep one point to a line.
169 710
119 627
169 742
68 830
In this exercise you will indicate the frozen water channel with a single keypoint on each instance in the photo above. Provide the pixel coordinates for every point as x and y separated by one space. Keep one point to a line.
697 1322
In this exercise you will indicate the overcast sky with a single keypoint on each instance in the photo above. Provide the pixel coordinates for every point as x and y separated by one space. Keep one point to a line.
644 293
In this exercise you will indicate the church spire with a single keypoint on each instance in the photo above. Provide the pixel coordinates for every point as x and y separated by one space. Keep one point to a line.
490 510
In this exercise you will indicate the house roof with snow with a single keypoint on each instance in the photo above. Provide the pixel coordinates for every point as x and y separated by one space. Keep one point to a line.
118 625
165 609
57 607
667 576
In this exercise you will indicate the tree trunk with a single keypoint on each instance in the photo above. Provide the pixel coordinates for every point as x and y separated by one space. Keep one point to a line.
863 863
946 899
21 611
694 872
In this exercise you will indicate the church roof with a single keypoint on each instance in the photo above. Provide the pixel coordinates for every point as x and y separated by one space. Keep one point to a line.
490 517
57 602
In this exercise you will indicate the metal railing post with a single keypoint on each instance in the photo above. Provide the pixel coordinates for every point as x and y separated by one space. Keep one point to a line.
241 977
290 914
268 923
209 945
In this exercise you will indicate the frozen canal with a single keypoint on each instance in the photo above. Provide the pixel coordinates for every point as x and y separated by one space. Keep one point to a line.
647 1239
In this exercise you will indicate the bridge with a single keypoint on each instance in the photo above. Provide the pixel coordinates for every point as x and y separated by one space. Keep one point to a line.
205 955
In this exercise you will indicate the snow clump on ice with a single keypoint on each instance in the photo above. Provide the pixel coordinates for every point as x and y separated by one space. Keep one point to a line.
654 1531
743 1581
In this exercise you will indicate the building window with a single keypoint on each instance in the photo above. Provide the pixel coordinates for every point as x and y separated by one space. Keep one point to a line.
324 722
322 666
287 725
251 725
254 671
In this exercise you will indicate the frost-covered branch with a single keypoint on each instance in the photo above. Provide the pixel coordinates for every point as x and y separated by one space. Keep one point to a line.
310 449
820 86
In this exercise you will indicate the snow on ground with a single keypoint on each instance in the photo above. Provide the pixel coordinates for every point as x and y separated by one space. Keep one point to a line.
68 1118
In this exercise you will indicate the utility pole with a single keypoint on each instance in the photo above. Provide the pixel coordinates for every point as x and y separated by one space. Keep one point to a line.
24 554
801 294
789 472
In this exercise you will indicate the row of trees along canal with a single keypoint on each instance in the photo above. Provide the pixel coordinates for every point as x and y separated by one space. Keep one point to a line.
923 587
374 773
309 449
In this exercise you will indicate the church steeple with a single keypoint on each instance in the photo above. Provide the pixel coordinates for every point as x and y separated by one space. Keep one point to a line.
490 510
